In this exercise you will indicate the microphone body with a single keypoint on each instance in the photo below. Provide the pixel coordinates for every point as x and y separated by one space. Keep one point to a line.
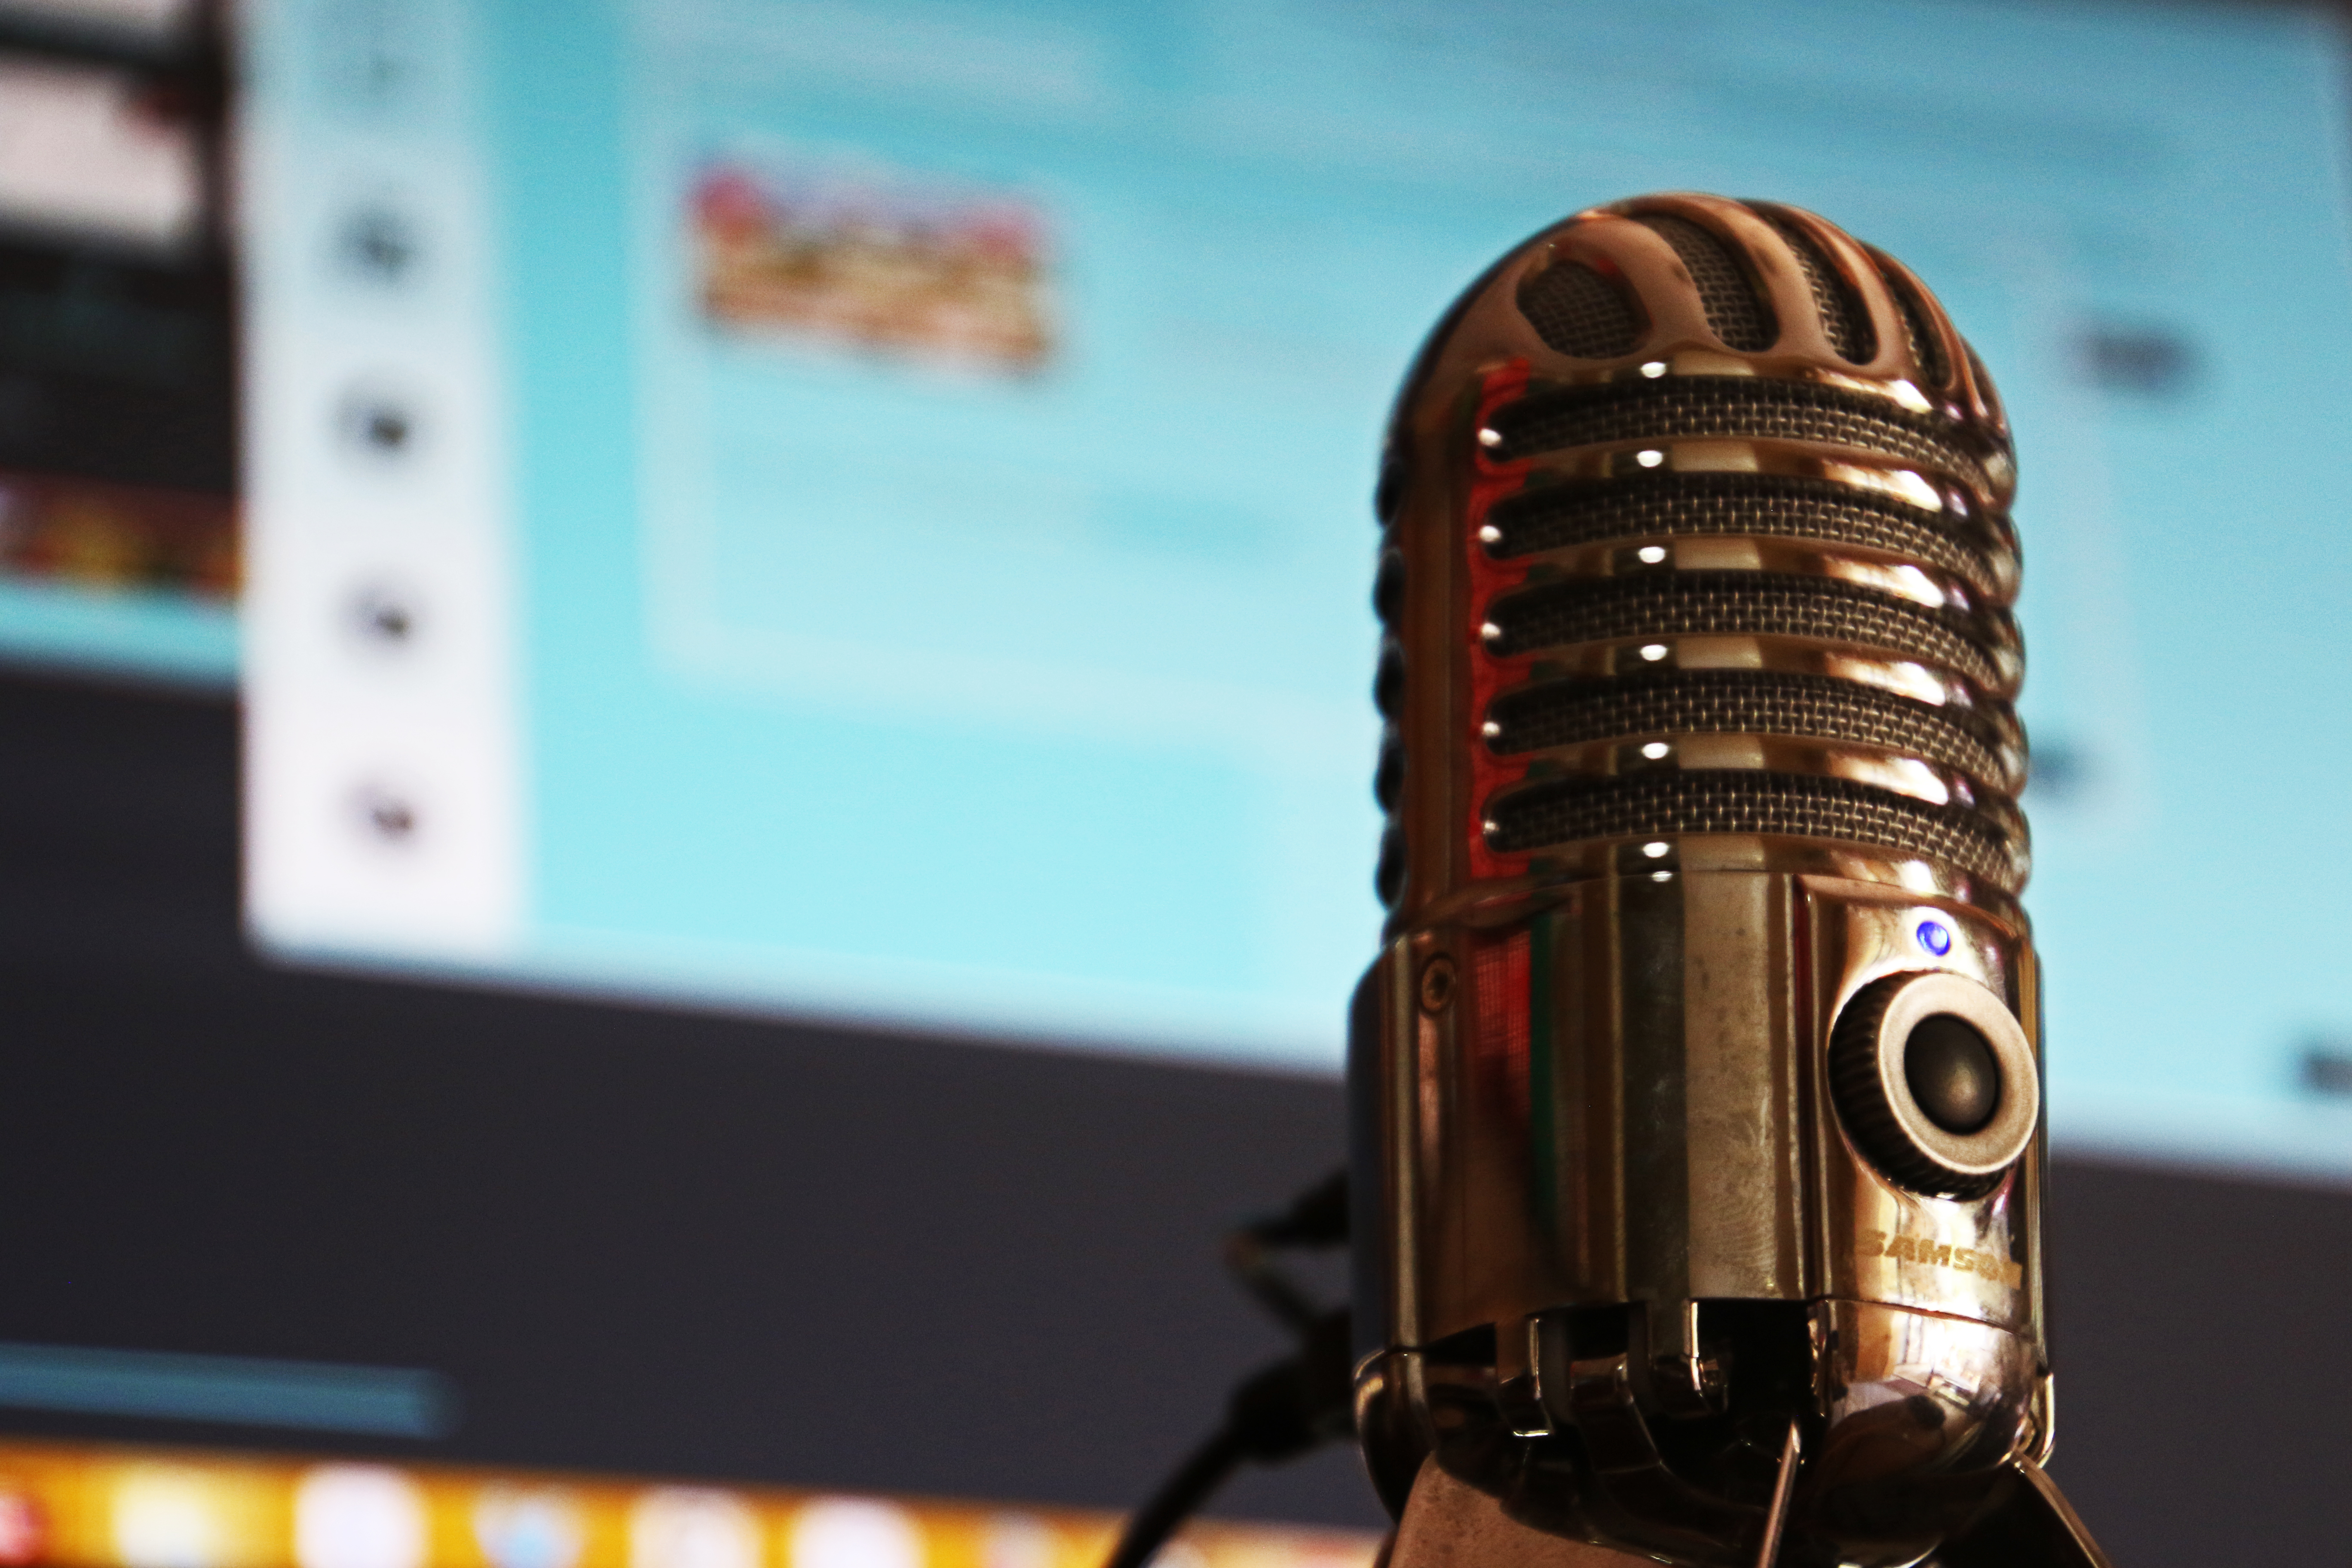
1698 1134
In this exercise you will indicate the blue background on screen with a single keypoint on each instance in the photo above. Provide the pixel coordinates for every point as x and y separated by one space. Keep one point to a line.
1030 699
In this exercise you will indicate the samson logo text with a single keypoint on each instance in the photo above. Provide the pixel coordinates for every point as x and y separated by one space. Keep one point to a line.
1920 1249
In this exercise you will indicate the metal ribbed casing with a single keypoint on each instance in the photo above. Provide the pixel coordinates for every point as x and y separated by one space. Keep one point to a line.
1696 532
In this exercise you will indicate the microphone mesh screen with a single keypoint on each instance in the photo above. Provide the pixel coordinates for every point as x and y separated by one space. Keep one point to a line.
1843 316
1733 407
1749 703
1927 347
1764 603
1558 516
1576 310
1667 803
1734 312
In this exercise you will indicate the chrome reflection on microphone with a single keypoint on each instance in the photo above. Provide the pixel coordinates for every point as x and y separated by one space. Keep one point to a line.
1697 1087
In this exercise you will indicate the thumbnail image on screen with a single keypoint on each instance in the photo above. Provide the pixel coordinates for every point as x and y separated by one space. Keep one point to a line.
118 537
863 512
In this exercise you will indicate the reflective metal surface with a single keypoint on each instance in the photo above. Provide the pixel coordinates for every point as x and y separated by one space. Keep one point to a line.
1697 573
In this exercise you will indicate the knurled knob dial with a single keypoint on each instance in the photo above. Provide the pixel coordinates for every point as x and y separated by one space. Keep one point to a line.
1936 1082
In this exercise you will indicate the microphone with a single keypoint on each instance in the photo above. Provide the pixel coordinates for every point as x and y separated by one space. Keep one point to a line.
1698 1144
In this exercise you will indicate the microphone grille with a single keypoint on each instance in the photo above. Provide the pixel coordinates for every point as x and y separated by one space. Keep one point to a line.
1744 408
1760 603
1760 594
1733 309
1578 311
1844 317
1786 506
1757 702
1925 343
1666 805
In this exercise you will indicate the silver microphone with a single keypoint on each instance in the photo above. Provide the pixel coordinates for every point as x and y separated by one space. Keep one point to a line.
1698 1088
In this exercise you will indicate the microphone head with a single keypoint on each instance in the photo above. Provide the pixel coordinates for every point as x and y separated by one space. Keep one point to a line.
1712 476
1698 1088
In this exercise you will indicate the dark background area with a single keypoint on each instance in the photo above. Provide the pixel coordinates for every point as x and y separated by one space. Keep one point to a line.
662 1242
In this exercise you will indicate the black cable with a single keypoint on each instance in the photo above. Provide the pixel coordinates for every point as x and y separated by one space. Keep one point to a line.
1284 1409
1203 1473
1316 1218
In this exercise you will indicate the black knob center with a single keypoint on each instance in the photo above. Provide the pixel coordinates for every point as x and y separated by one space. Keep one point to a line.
1952 1073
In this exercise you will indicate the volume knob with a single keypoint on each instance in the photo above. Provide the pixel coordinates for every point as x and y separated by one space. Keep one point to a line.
1936 1082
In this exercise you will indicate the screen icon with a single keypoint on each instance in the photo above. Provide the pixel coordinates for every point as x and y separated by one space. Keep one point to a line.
528 1528
684 1528
358 1515
854 1533
168 1517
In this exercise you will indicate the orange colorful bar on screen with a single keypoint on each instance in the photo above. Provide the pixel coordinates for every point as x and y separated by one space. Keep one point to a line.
88 1506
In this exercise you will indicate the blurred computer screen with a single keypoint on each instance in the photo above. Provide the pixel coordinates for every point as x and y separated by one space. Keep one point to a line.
863 512
771 550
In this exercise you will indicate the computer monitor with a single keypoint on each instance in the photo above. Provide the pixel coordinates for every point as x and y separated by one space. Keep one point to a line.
795 548
862 513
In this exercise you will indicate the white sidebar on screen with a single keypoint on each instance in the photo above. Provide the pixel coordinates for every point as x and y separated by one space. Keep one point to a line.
383 791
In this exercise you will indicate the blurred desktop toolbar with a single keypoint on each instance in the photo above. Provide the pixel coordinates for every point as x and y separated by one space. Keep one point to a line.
93 1506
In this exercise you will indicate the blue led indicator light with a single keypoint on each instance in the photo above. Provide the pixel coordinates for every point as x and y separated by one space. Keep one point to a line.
1934 938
